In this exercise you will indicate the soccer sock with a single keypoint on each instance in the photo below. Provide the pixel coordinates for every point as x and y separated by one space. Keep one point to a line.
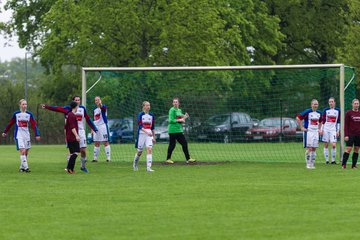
71 163
68 157
23 164
312 158
333 154
326 154
107 152
148 160
83 162
136 160
354 158
96 152
307 157
345 158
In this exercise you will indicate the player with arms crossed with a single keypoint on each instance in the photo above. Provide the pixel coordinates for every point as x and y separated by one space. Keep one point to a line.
352 134
145 136
22 119
311 130
330 129
80 114
102 135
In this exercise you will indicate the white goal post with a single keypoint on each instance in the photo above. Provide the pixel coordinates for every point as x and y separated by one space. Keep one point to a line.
341 68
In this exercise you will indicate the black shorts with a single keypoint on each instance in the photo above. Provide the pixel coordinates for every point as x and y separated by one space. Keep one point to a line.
353 141
73 147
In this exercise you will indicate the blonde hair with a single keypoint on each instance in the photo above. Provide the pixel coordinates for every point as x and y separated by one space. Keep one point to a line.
21 101
313 100
143 104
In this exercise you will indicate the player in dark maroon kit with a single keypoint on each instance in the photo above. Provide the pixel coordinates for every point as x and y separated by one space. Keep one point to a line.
72 137
352 133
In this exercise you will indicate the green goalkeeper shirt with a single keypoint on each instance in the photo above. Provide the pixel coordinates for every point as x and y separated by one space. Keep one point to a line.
174 125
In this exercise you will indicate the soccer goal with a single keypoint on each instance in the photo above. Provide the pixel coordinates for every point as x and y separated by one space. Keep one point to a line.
240 113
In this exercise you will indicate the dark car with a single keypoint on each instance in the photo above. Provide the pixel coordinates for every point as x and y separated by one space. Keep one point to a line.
225 128
120 130
273 129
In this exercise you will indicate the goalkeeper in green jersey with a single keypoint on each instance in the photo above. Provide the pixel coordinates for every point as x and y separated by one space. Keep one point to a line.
176 119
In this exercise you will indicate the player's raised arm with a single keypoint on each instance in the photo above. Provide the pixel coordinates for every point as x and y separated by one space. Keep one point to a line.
65 109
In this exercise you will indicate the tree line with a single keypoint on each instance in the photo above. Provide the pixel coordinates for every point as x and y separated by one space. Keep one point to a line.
65 35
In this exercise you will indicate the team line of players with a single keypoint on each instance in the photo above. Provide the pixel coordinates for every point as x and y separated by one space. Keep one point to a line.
23 118
311 121
314 123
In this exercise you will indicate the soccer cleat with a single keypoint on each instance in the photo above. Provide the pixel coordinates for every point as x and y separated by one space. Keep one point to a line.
135 168
169 161
343 166
27 170
84 169
94 160
190 160
354 167
150 170
334 163
108 160
327 162
69 171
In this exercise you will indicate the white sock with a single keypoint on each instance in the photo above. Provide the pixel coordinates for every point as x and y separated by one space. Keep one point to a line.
148 160
68 157
333 154
326 154
136 160
312 158
307 158
83 162
107 152
96 152
24 164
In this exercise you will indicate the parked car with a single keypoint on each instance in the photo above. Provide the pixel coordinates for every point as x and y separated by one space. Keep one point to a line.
120 130
225 128
272 129
161 128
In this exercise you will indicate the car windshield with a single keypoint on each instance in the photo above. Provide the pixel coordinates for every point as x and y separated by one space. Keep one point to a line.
270 123
218 119
161 121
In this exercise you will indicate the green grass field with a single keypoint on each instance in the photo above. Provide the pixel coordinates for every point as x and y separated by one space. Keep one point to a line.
260 198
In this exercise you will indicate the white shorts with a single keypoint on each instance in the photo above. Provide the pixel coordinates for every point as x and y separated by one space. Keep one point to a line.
311 139
22 143
82 138
329 136
144 140
102 135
